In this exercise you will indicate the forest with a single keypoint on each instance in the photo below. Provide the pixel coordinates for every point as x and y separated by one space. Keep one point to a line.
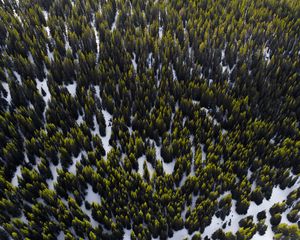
149 120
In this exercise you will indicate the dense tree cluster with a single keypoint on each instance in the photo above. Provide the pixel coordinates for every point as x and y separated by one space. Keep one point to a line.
169 113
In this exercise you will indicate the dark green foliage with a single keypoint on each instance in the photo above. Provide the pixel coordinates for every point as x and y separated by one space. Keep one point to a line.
201 97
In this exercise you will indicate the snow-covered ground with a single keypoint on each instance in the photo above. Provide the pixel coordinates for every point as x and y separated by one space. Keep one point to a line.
150 60
174 73
6 87
178 235
134 62
141 161
72 88
105 140
61 236
18 76
46 15
169 167
97 38
14 181
72 168
114 25
267 54
277 196
54 172
43 86
91 196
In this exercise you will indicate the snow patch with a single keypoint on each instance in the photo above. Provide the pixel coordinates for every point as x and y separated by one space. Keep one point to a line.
43 86
46 15
105 140
169 167
267 54
72 168
18 173
174 73
127 234
30 58
61 236
18 76
277 196
150 60
91 196
134 62
113 27
54 172
141 161
6 87
97 39
72 88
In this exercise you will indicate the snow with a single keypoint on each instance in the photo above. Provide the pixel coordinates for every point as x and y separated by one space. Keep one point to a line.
23 218
67 43
93 222
150 60
48 31
178 235
105 140
15 181
6 87
267 54
141 161
160 32
203 154
157 151
97 39
224 131
169 167
113 27
97 88
17 16
181 234
127 234
43 85
134 62
277 196
30 58
174 73
91 196
18 76
72 168
50 54
72 88
61 236
53 169
46 15
160 29
79 120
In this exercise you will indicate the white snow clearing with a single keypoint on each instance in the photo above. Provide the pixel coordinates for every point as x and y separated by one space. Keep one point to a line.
72 88
43 86
267 54
114 25
15 181
6 87
277 196
141 161
91 196
134 62
54 172
105 140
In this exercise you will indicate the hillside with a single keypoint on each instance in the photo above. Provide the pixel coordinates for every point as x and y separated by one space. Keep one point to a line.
140 119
